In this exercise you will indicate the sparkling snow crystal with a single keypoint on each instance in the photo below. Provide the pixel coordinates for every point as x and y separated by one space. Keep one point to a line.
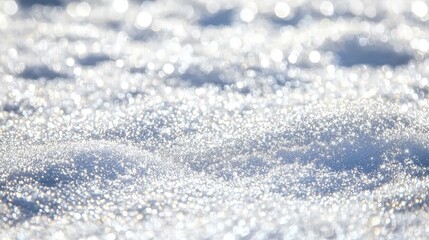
230 119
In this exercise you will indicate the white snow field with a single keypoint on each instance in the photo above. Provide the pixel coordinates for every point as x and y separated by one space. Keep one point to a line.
223 119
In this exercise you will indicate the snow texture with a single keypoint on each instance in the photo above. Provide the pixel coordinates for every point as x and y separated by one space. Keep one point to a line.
191 119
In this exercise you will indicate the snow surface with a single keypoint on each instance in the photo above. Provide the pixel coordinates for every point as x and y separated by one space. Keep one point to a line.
230 119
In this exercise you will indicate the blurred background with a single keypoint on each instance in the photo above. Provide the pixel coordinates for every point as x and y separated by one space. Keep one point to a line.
250 46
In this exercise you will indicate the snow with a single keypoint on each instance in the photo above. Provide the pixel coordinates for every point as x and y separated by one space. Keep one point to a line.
132 119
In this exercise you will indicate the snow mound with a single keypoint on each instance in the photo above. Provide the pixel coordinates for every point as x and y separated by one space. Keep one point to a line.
132 119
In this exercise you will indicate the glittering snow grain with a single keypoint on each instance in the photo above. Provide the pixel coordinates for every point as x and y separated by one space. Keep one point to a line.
130 119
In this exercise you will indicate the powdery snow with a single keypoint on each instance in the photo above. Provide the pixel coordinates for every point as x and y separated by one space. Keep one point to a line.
131 119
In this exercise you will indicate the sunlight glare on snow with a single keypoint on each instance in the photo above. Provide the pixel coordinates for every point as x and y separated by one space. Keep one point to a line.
419 8
81 9
143 20
314 56
120 6
247 15
282 9
327 8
